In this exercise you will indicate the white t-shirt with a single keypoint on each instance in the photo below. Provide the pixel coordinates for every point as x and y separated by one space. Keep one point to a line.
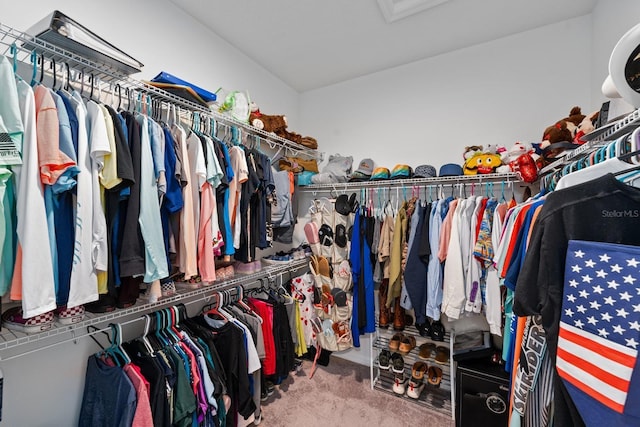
38 291
84 280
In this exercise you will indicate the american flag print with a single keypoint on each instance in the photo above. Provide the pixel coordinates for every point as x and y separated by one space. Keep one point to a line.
599 333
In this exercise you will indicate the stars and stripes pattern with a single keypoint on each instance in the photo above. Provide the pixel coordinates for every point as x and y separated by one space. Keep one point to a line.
600 322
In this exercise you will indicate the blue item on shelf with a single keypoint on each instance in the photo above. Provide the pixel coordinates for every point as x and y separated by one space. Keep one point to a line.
164 77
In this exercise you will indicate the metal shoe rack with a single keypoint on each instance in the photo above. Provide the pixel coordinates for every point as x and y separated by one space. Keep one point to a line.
15 344
105 79
437 398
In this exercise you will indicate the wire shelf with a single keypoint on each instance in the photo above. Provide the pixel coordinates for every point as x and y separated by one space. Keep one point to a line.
508 177
24 44
20 342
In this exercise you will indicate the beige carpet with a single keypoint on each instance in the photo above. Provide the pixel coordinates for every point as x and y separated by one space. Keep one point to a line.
340 395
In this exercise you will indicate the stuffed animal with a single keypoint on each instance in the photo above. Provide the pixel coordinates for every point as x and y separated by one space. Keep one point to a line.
471 151
265 122
564 129
481 163
522 159
278 124
586 126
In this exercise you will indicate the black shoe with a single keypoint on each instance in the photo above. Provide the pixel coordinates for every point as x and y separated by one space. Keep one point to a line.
437 331
424 329
105 304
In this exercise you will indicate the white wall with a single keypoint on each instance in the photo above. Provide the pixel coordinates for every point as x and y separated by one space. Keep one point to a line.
164 38
45 388
611 19
427 112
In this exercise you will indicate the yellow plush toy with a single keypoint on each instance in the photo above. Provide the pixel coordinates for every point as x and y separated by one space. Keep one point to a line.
481 163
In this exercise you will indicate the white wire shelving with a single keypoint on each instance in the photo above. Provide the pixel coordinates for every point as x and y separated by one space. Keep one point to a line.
15 344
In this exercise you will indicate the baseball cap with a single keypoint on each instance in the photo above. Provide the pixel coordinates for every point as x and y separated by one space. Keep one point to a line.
380 173
424 171
364 171
450 169
401 171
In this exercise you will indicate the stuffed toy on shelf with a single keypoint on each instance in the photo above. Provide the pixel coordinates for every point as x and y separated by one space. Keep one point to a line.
277 124
480 161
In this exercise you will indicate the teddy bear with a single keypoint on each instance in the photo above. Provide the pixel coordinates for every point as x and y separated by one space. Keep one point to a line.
265 122
564 129
586 126
277 124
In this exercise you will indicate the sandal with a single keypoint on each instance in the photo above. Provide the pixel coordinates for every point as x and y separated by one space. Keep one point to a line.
407 344
425 350
394 342
442 355
418 370
434 375
384 360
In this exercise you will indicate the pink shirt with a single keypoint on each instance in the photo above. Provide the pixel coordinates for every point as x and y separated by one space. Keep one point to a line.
445 231
52 161
206 260
143 416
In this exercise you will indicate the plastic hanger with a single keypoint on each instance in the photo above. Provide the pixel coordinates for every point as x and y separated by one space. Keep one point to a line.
145 340
34 64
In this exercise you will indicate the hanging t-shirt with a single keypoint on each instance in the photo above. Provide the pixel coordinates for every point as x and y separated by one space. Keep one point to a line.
35 286
150 223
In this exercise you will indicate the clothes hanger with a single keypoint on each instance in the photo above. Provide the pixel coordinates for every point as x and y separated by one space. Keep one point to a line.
145 341
66 82
34 63
52 65
41 68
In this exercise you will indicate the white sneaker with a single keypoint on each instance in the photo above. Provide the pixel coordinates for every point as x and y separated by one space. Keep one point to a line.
399 384
414 388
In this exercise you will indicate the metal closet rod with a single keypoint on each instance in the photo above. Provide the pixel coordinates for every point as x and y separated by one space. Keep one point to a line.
25 45
506 178
256 280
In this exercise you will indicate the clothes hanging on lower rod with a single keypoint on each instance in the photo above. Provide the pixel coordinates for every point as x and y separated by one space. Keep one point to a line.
569 275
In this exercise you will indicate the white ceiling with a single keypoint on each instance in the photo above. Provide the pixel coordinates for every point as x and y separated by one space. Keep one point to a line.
310 44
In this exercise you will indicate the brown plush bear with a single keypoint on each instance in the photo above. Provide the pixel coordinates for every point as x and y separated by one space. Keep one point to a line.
266 122
564 129
278 125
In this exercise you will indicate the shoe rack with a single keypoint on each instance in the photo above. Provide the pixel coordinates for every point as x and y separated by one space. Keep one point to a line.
436 398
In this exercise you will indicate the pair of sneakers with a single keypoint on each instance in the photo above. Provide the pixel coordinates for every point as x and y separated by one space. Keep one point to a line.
414 385
13 319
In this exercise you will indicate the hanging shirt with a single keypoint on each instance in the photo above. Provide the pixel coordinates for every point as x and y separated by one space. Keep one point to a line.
100 147
35 286
150 223
434 272
109 174
187 252
11 125
84 280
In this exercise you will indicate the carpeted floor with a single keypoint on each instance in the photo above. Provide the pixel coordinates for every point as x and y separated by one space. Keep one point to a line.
340 395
